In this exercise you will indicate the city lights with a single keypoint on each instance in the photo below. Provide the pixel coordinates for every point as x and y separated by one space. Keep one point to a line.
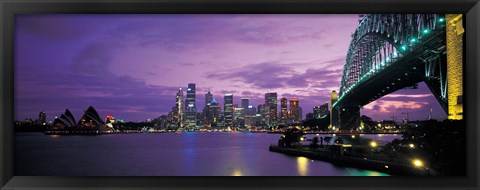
417 163
269 108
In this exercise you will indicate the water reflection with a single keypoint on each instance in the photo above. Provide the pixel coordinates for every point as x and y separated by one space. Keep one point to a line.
302 166
54 136
237 172
169 154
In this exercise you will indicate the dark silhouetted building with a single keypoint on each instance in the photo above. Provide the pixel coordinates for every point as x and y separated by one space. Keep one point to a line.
245 103
228 110
42 117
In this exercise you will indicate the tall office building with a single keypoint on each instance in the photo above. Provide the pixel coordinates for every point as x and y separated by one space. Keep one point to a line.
179 109
251 110
191 108
239 118
271 104
208 98
262 114
316 112
214 111
221 119
310 116
42 117
245 103
250 115
283 111
324 109
333 112
320 111
228 110
207 116
295 112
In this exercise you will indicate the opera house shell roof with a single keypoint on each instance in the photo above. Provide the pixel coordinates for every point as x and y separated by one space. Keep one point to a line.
66 119
90 118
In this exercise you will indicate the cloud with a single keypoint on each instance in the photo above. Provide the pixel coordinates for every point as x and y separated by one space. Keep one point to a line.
182 32
52 27
388 106
265 75
95 59
275 75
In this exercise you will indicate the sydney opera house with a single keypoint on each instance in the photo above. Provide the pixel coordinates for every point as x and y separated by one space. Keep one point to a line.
90 123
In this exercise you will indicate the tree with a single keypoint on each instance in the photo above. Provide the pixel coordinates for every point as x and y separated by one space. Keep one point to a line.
339 140
314 143
291 136
327 140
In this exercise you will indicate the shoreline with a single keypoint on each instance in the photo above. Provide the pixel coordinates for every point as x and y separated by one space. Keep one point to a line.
354 162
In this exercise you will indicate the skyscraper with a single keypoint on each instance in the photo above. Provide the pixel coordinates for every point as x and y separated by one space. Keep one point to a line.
239 117
333 112
191 108
42 117
245 103
316 112
179 110
271 104
283 111
250 113
320 111
207 116
228 110
214 111
295 111
324 109
208 98
262 114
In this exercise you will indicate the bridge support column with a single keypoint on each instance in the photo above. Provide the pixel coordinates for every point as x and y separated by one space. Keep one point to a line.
349 117
455 36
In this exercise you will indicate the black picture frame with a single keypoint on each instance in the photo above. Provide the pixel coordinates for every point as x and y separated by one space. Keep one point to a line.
8 8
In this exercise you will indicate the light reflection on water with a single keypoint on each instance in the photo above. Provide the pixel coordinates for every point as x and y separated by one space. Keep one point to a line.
166 154
237 173
302 165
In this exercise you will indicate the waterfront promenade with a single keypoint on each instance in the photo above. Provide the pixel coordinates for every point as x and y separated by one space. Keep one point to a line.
393 168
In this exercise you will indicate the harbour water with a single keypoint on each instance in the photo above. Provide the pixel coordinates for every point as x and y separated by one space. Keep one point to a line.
169 154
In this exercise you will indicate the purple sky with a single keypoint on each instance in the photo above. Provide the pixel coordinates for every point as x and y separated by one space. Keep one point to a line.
131 66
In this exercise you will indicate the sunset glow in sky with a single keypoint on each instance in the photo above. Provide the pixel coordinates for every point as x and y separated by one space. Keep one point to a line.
131 66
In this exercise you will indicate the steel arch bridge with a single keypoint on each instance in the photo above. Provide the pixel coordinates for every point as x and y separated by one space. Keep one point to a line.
389 52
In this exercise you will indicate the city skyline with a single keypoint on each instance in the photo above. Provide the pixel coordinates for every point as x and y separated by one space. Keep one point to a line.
131 66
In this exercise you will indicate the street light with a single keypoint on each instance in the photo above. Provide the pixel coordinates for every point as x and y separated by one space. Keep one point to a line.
417 163
411 145
373 144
